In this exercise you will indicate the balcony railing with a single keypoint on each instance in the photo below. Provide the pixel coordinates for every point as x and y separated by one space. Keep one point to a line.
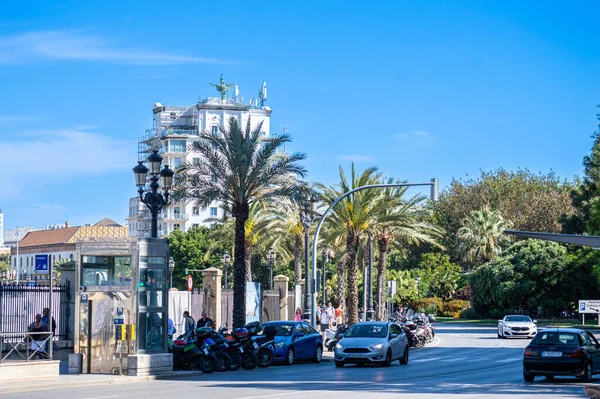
186 132
172 149
174 216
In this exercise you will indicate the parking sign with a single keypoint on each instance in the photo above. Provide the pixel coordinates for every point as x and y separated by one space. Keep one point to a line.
41 264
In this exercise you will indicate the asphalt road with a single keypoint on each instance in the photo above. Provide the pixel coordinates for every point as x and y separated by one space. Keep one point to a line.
469 362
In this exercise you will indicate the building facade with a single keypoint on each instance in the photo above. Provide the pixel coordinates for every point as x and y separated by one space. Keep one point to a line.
174 130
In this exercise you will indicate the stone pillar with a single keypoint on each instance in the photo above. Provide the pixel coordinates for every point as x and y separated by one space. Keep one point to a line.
280 283
211 280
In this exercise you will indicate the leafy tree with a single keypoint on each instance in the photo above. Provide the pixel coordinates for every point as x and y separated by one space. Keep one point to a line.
532 202
188 250
239 168
356 214
406 286
521 278
586 195
4 262
441 275
481 237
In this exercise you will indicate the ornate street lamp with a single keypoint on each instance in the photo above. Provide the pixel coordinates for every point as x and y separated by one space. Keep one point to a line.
154 200
226 260
271 255
307 215
171 269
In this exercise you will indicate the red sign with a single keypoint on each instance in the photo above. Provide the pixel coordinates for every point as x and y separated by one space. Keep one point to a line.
190 283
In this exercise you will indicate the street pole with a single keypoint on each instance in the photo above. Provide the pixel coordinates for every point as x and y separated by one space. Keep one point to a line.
370 310
18 265
433 196
50 341
271 274
324 258
307 284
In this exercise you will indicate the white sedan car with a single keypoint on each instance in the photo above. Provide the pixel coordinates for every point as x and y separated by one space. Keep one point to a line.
516 326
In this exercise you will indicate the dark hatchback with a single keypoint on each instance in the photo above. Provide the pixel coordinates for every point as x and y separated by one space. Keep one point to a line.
562 351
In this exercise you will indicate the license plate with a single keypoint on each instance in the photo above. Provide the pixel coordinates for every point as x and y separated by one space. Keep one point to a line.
357 355
255 345
205 351
551 354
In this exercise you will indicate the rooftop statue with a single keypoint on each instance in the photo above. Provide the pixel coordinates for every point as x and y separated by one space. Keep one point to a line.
222 87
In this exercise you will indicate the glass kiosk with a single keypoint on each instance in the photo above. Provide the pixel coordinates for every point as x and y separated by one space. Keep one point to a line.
122 303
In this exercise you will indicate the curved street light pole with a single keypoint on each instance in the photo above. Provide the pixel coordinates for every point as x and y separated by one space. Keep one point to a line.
433 196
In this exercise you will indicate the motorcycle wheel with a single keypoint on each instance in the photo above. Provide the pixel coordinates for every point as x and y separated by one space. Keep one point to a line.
236 361
265 357
208 364
249 360
223 361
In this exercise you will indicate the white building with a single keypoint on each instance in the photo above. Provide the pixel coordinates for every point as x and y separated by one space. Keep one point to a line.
1 229
174 129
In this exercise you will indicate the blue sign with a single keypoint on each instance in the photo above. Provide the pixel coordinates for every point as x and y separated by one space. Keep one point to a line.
31 284
41 264
119 321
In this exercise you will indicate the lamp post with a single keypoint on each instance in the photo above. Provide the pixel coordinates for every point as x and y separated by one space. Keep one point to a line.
171 269
307 216
154 200
271 256
418 286
324 256
226 259
370 310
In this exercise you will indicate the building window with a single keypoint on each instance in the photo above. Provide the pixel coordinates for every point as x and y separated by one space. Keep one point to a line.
177 162
195 225
195 211
213 211
176 227
215 131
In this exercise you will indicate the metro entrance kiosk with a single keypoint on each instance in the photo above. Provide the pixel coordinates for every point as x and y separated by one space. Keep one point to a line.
122 306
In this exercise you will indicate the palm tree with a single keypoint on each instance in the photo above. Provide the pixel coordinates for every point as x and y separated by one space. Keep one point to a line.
400 222
481 237
239 167
356 213
285 232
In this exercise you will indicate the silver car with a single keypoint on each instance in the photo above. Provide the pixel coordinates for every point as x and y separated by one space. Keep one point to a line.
372 342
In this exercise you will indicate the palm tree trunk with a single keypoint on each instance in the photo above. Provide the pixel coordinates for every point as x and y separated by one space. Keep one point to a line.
298 248
352 242
383 245
240 213
342 275
248 260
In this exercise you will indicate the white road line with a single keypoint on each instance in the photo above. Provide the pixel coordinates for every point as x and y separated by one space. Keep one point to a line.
513 359
455 359
427 359
101 397
274 395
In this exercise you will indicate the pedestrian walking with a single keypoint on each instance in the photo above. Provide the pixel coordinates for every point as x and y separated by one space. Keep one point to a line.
324 321
171 328
339 316
188 324
298 315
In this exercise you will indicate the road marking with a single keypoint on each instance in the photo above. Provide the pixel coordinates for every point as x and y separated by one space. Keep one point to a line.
514 359
275 395
102 397
427 359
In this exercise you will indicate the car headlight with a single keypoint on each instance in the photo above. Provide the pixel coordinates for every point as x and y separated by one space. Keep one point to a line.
339 346
376 346
279 344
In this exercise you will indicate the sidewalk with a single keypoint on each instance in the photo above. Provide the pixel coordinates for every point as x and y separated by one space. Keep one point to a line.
84 380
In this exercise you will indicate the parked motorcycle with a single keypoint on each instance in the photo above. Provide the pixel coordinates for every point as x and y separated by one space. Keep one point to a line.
339 334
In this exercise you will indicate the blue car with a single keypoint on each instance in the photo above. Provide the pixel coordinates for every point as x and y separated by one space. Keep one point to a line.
296 340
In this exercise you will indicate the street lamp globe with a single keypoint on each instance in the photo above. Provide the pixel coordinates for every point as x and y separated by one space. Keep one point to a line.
171 265
313 201
155 161
226 257
140 172
166 177
272 255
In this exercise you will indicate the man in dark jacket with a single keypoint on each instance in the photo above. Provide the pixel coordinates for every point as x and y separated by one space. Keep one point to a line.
205 321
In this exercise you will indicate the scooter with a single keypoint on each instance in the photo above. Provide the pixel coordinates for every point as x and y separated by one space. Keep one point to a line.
339 334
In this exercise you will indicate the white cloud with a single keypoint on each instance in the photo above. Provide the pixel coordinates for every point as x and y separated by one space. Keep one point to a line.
49 155
356 158
76 45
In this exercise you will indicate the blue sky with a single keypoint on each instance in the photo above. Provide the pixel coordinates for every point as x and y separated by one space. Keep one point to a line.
419 89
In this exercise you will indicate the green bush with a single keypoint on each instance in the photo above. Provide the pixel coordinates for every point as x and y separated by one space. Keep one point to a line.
421 304
453 308
432 309
469 314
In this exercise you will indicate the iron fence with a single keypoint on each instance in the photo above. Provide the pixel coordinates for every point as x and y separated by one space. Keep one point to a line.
19 346
19 304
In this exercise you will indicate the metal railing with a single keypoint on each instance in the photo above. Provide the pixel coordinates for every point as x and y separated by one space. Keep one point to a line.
25 346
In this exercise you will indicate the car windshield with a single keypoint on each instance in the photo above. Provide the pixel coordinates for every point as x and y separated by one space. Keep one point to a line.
522 319
367 331
283 330
555 338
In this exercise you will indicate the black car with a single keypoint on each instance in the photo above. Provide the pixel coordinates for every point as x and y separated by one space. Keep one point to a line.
562 351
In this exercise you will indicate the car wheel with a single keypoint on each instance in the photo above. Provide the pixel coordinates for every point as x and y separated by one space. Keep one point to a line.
498 333
587 376
339 364
289 358
388 359
404 358
318 354
528 377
